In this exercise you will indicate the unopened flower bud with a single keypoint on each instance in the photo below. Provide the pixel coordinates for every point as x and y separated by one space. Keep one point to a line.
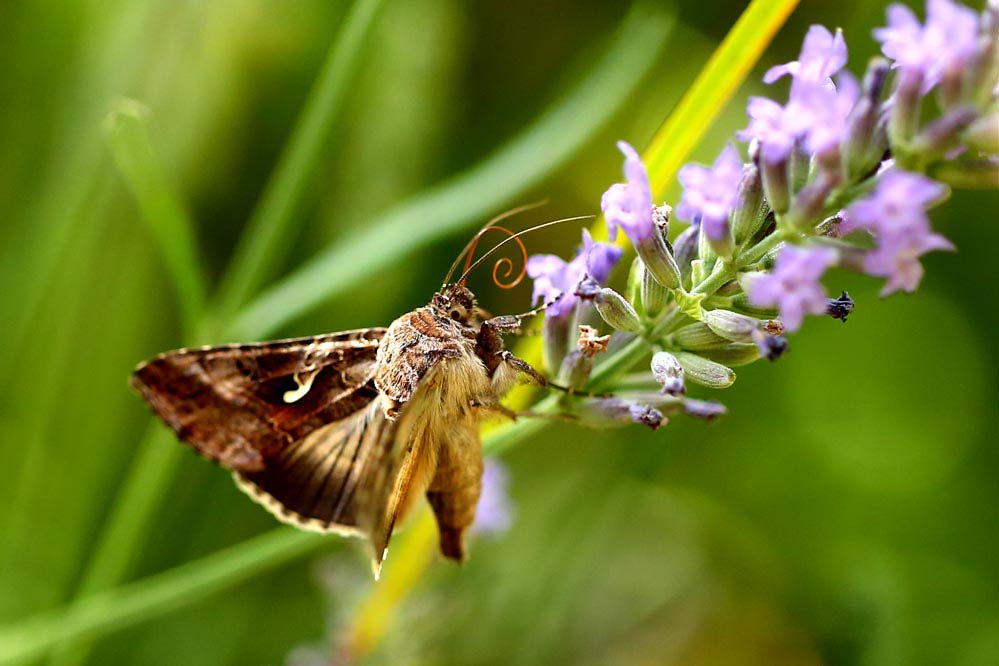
698 271
840 308
705 249
866 140
809 203
905 107
798 167
697 336
555 334
614 411
658 256
731 325
650 417
733 354
635 276
776 185
654 296
685 250
944 133
973 174
575 371
751 213
707 410
770 347
612 306
983 134
666 370
982 77
740 303
704 372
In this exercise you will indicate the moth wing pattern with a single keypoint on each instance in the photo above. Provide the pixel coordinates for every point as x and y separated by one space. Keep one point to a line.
325 459
231 403
339 478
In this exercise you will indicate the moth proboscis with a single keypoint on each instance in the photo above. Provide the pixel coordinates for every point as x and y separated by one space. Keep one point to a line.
343 432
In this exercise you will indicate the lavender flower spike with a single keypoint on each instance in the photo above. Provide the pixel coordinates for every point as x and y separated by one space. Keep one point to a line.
555 280
940 48
899 201
711 193
794 286
493 513
600 258
629 205
822 55
776 127
895 214
897 258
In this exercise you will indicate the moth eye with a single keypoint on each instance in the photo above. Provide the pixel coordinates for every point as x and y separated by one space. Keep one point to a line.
455 314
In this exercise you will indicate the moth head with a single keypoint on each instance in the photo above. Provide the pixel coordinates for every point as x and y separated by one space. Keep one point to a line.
455 302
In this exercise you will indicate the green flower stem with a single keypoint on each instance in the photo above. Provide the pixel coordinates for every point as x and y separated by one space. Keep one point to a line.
526 160
751 255
501 439
721 274
265 242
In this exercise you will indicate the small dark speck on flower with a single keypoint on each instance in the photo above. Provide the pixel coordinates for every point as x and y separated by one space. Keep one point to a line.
840 308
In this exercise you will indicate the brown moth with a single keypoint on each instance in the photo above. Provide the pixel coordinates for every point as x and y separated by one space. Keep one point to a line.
344 432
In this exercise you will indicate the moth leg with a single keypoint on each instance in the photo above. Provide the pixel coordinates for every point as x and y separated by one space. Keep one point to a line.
523 367
514 414
511 323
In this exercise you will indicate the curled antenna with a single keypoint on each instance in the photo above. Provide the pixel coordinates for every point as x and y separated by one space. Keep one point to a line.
475 239
469 267
504 263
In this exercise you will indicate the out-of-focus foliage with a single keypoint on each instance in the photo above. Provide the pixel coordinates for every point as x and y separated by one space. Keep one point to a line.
843 512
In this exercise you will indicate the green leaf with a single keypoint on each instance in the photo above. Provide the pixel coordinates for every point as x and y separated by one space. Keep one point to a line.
467 198
264 242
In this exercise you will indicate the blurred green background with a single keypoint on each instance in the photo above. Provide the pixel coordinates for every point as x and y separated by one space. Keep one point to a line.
844 512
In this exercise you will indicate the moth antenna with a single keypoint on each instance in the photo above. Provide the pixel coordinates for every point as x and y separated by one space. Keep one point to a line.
503 263
513 237
475 239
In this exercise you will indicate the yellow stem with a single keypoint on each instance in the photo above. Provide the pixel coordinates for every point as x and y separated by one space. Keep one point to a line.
414 551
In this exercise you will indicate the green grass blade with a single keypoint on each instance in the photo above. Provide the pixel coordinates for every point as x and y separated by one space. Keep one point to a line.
160 207
262 246
466 199
126 527
141 601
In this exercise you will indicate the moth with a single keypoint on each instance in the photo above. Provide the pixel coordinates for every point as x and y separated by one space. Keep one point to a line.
344 432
